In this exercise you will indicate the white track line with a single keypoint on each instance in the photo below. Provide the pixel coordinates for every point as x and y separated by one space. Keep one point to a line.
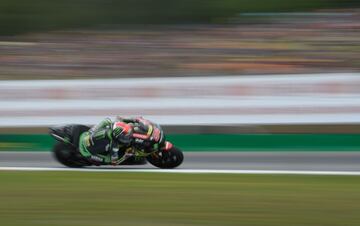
189 171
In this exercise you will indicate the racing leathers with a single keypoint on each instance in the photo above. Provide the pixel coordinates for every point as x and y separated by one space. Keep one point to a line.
103 142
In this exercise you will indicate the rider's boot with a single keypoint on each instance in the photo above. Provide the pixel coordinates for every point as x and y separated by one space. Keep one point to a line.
115 157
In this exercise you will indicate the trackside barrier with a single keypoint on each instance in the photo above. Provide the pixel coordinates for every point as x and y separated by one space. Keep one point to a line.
270 99
215 142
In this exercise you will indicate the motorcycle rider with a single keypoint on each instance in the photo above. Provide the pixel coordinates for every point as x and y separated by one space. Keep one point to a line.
107 136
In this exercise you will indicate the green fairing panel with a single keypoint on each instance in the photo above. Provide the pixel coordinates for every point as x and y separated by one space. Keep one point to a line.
82 146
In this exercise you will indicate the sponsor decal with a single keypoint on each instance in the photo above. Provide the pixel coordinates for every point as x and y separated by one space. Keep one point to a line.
150 130
139 140
156 134
124 127
96 158
140 136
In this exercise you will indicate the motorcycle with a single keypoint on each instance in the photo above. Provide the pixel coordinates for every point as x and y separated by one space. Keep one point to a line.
149 145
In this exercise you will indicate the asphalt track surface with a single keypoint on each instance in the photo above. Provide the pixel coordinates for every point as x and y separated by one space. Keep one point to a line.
309 161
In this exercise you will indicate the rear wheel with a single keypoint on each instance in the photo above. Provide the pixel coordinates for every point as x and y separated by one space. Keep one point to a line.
167 159
65 154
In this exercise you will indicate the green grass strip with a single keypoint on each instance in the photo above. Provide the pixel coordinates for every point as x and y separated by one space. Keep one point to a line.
112 199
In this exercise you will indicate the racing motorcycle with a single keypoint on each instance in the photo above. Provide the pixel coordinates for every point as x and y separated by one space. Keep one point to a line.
149 145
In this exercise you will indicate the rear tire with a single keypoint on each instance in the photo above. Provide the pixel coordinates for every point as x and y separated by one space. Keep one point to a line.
167 159
65 154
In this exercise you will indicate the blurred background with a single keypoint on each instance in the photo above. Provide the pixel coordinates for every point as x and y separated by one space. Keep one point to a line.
146 38
248 67
236 84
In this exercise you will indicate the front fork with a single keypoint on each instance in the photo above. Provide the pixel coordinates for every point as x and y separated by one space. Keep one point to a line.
131 151
161 152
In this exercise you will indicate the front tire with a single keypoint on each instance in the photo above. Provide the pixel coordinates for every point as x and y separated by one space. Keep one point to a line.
167 159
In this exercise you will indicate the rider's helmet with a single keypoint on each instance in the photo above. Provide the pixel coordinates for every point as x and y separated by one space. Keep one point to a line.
122 132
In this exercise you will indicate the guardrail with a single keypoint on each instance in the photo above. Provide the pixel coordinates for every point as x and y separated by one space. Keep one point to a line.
277 99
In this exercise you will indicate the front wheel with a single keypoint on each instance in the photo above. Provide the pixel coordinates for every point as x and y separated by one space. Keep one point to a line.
167 159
